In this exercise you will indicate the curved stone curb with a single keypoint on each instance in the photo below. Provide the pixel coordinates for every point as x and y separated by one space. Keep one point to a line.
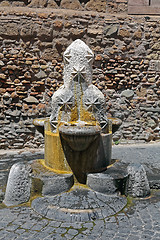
79 205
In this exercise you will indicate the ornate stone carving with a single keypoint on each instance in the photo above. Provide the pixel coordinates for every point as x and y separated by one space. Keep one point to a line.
78 94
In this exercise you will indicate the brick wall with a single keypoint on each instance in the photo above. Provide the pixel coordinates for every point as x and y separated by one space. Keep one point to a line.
126 69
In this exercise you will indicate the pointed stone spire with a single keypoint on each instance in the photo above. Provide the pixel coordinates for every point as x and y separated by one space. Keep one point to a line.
78 59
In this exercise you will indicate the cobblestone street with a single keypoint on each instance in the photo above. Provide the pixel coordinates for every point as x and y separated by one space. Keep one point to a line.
138 220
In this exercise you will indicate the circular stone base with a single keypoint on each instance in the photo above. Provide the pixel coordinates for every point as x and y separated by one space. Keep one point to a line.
79 205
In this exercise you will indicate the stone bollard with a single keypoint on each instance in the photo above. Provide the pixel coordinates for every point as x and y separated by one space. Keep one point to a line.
138 185
19 185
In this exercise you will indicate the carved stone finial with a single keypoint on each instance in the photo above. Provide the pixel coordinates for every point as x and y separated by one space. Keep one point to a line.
78 59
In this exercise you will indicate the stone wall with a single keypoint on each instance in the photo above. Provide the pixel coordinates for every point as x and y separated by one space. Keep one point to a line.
126 69
117 6
110 6
89 5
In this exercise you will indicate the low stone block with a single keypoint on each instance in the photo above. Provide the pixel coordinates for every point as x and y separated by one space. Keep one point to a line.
19 185
57 184
154 181
110 181
49 183
138 185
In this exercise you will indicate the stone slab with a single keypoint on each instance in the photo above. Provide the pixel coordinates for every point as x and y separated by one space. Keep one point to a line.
155 2
143 10
138 2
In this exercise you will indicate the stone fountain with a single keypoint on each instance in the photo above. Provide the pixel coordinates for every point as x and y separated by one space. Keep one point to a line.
76 179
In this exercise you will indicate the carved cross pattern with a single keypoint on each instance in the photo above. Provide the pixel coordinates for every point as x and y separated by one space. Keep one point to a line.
89 56
65 103
78 71
103 123
54 122
67 56
92 104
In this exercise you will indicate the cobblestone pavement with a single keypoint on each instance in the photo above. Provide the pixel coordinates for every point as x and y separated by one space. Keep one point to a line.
138 220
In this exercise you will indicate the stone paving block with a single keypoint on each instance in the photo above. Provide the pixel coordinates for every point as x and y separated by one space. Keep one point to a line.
19 231
40 235
68 236
10 236
48 238
61 231
119 238
3 234
72 232
81 237
47 229
28 234
12 227
27 225
56 236
70 225
56 224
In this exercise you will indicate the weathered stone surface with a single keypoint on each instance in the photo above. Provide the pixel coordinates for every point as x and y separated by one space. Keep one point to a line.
56 184
38 3
19 185
9 29
156 46
96 5
3 76
127 93
109 182
123 33
138 2
5 3
30 99
52 4
41 74
154 65
71 4
138 185
1 63
111 30
137 34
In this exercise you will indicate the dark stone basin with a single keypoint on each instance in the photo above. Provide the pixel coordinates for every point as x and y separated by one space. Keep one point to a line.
79 137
